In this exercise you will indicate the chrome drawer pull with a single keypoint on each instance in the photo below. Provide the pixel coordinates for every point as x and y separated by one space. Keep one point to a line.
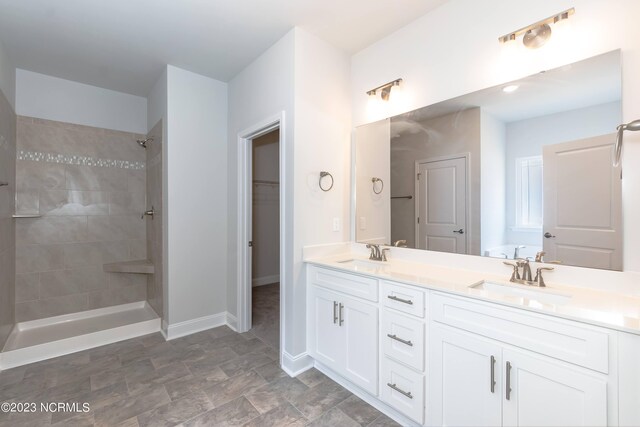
395 298
493 375
508 381
394 337
335 314
341 319
406 393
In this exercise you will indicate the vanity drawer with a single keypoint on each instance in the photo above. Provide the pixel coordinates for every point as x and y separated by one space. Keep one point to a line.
402 338
572 342
407 299
403 389
351 284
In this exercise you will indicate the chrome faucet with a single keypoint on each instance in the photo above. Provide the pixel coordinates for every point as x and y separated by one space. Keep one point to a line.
525 278
376 254
516 251
526 269
400 243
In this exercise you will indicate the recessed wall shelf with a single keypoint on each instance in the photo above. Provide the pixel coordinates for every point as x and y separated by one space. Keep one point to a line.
139 266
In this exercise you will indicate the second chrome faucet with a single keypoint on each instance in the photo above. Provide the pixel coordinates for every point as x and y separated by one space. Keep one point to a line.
377 254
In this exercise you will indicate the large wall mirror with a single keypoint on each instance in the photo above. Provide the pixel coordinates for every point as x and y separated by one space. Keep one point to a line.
521 170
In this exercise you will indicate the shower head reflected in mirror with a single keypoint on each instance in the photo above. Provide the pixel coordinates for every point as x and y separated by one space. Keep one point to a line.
631 126
143 142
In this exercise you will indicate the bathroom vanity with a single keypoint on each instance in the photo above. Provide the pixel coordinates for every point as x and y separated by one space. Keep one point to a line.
437 346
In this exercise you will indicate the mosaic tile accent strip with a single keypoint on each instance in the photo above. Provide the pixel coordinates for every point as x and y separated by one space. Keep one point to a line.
4 144
67 159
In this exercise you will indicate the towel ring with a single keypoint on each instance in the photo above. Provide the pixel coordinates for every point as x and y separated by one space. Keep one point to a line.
322 175
374 180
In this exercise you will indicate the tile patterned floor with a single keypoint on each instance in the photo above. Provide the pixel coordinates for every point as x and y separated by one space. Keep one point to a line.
266 313
212 378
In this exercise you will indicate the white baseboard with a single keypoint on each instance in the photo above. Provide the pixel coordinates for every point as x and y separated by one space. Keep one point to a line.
295 365
188 327
265 280
371 400
232 321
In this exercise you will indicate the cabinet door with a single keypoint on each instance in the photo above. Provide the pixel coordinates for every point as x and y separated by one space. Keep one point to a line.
360 324
326 336
549 393
464 379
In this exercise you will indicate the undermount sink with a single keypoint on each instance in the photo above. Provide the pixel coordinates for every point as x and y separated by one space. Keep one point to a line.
363 265
542 295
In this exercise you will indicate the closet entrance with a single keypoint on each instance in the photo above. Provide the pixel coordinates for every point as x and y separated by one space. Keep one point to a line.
265 238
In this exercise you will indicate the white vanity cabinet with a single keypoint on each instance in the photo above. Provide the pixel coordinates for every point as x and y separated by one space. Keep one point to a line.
434 358
480 378
344 332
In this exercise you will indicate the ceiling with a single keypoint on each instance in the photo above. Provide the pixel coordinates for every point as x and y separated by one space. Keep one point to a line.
123 45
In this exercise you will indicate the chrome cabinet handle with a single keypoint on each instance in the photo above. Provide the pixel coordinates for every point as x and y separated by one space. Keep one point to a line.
399 390
335 312
508 389
395 298
493 374
395 337
341 319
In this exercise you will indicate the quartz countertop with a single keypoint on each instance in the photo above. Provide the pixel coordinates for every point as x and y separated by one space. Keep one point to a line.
607 309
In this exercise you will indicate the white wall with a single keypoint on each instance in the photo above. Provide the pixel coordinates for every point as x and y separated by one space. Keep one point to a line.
454 50
51 98
262 90
196 195
317 134
157 101
157 109
322 142
7 77
492 181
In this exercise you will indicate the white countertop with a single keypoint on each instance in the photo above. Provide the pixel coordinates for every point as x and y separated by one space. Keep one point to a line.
606 309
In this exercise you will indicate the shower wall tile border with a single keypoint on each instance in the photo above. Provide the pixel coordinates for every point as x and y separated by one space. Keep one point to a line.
65 159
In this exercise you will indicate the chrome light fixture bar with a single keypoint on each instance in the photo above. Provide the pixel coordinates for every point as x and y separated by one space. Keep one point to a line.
385 89
535 35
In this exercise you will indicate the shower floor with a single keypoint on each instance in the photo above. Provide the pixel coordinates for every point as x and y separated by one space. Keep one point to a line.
54 336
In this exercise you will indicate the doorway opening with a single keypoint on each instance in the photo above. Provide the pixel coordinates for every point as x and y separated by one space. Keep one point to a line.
262 202
265 238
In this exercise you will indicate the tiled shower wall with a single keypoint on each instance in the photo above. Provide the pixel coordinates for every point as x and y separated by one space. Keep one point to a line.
89 186
7 235
154 226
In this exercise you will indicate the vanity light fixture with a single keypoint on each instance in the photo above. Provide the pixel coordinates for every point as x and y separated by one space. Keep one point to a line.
385 89
510 88
537 34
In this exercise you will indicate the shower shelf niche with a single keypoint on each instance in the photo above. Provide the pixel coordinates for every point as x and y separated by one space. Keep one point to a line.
140 266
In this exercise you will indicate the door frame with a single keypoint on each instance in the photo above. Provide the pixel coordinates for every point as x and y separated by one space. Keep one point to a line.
467 166
244 230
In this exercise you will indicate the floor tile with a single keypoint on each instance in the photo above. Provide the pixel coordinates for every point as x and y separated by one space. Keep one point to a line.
234 387
235 413
319 399
131 406
359 410
281 416
333 417
176 412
